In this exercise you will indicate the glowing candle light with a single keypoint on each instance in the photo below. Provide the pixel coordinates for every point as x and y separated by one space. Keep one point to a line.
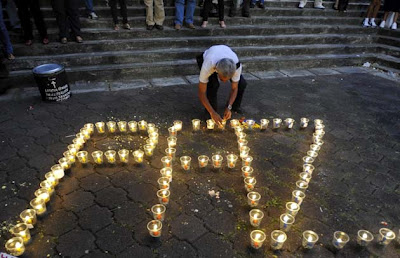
133 126
250 124
69 156
234 123
82 157
58 171
154 228
289 122
256 216
203 161
217 160
178 125
166 161
78 143
238 129
97 157
151 128
253 198
163 196
249 183
340 239
154 137
278 238
111 126
89 127
158 211
246 161
170 152
305 177
210 124
72 149
148 150
48 186
257 238
38 205
315 147
222 125
65 163
292 208
85 133
309 239
15 246
21 230
111 156
241 136
319 142
312 154
264 124
319 129
308 168
385 236
318 137
43 194
142 125
247 171
304 122
231 160
152 143
308 160
138 156
244 152
364 237
301 185
172 131
122 126
166 172
242 142
276 123
80 137
185 162
171 141
28 216
100 126
286 221
51 178
318 122
298 196
163 183
196 124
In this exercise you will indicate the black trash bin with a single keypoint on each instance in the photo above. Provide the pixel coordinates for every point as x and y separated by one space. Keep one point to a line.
52 82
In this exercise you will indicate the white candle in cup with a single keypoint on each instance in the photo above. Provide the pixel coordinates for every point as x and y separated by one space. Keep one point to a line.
292 208
210 124
69 156
72 149
246 161
85 133
15 246
318 122
231 160
58 171
97 157
133 126
142 125
308 168
249 183
309 239
301 185
241 136
257 238
364 237
247 171
138 156
203 161
315 147
28 216
154 228
264 124
185 162
43 194
148 150
111 126
171 141
319 142
82 157
172 131
196 124
312 154
101 128
170 152
217 160
385 236
286 221
21 230
166 172
250 124
48 186
308 160
163 183
122 126
151 128
178 125
276 123
50 177
38 205
256 217
253 198
123 155
298 196
289 122
65 163
158 211
163 196
278 238
234 123
166 161
340 239
111 156
244 152
305 176
242 142
304 122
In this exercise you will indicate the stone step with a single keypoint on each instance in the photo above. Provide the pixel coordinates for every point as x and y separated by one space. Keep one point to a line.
168 54
388 40
389 61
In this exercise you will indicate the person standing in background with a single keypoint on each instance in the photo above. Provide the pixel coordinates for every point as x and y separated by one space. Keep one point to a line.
90 11
180 13
67 16
12 15
5 38
154 16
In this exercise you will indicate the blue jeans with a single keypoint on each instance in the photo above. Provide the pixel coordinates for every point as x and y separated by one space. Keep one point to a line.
89 6
254 1
4 37
179 11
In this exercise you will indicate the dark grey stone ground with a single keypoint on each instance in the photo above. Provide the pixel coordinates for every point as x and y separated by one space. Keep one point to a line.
103 211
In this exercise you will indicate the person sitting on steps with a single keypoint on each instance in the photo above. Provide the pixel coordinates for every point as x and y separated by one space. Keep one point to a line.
391 6
372 12
317 4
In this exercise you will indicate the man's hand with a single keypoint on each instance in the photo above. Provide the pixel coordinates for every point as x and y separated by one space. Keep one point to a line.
217 118
227 114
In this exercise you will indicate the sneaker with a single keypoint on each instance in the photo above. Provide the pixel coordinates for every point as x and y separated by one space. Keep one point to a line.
178 26
222 24
204 24
159 27
93 16
126 26
149 27
63 40
366 23
382 25
191 26
10 57
302 5
79 39
319 6
394 26
373 24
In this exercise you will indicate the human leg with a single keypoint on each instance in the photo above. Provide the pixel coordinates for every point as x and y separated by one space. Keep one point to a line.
221 7
13 14
4 37
38 18
241 88
61 17
25 18
149 12
190 7
72 8
206 11
124 11
113 7
212 90
159 12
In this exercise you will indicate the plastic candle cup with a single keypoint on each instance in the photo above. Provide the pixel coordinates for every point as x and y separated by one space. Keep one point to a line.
315 147
304 122
203 161
28 216
319 142
15 246
247 171
340 239
257 238
58 171
158 211
89 127
210 124
234 123
278 238
238 130
178 125
111 126
122 126
242 142
69 156
138 156
253 198
154 228
196 124
250 124
65 163
72 149
151 128
21 230
244 151
385 236
309 239
163 196
292 208
231 160
38 205
264 124
312 154
111 156
289 122
48 186
256 216
152 143
308 168
132 125
82 157
249 183
43 194
185 162
276 123
148 150
85 133
166 161
398 237
217 161
286 221
318 137
78 143
247 161
301 185
166 172
305 177
241 136
307 160
319 128
171 141
81 137
100 127
51 178
97 157
142 125
318 122
154 137
364 237
163 183
298 196
170 152
222 125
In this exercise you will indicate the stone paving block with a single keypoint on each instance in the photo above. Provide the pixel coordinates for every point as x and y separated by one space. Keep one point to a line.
76 243
130 213
98 254
134 84
111 197
94 182
214 221
268 74
210 245
187 228
174 248
193 79
95 218
196 205
59 223
138 251
69 185
84 87
323 71
250 77
297 73
41 246
142 193
168 81
78 201
114 239
350 69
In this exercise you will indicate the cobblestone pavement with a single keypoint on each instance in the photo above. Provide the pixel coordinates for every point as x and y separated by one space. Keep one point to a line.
102 211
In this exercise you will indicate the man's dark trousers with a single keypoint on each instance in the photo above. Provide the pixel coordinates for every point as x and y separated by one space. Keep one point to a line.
67 15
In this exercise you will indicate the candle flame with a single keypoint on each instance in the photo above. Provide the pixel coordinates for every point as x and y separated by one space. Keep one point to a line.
364 236
18 245
285 218
293 206
257 236
297 194
281 238
255 216
251 180
389 234
339 240
310 238
155 227
254 196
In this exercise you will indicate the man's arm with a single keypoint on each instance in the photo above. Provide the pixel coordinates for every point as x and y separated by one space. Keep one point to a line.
231 100
204 100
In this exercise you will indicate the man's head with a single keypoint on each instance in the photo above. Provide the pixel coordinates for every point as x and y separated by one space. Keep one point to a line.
226 68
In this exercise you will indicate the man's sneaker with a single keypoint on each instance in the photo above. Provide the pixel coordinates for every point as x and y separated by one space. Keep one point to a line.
366 23
93 16
302 5
382 25
394 26
178 26
126 26
373 24
319 6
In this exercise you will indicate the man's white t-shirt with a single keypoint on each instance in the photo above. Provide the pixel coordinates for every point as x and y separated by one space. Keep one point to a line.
212 56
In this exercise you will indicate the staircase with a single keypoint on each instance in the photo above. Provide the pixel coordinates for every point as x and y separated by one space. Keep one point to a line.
279 37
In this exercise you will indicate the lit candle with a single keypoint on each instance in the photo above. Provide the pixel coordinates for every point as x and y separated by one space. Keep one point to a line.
217 161
151 142
166 161
210 124
318 137
234 123
65 163
142 125
305 176
111 156
222 125
154 228
21 230
111 126
307 160
256 216
170 152
231 160
289 122
276 123
69 156
58 171
166 172
132 126
278 238
185 162
51 178
246 161
318 142
148 150
312 154
178 125
100 126
72 149
242 142
301 185
340 239
385 236
172 131
154 137
78 143
43 194
163 196
264 124
48 186
85 133
318 122
298 196
249 183
122 126
196 124
247 171
292 208
123 155
253 198
81 137
28 216
171 141
241 135
257 238
82 157
158 211
138 156
203 161
15 246
308 168
89 127
319 128
309 239
286 221
244 151
163 183
315 147
238 129
304 122
38 205
97 157
364 237
250 124
151 128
